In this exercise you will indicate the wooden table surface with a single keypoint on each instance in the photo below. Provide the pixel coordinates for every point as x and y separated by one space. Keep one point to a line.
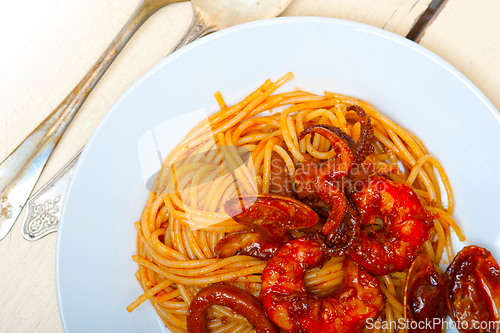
465 33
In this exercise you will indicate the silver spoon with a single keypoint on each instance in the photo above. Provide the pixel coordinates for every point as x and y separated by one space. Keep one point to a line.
209 16
214 15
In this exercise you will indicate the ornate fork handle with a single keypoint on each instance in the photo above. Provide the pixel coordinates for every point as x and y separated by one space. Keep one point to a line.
44 207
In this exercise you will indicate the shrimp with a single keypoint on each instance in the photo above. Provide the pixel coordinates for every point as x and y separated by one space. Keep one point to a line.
294 309
406 227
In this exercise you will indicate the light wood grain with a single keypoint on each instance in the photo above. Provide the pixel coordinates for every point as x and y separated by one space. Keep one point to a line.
77 33
396 16
467 35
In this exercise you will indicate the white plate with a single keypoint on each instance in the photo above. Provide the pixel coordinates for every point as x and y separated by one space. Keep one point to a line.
414 87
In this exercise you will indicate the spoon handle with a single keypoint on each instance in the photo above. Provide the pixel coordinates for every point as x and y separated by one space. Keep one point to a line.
198 29
21 170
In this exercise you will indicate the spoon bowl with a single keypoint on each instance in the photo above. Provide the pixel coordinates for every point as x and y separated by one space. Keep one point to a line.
214 15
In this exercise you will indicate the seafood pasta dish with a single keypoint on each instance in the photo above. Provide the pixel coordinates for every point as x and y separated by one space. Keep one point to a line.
298 212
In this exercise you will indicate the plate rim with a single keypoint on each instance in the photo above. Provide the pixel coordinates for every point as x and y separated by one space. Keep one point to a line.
246 26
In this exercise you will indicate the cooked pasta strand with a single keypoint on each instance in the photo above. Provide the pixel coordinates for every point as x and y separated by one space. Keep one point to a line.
229 154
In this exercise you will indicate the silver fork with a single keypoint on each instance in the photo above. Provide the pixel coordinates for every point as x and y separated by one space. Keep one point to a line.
21 170
43 212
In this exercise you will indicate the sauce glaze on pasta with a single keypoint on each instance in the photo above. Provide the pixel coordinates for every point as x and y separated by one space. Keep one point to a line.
183 218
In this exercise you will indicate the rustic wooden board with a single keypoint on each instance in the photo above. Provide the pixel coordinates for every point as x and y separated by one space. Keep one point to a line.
467 35
397 16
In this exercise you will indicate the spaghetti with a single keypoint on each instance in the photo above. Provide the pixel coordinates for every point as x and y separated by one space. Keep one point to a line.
183 219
